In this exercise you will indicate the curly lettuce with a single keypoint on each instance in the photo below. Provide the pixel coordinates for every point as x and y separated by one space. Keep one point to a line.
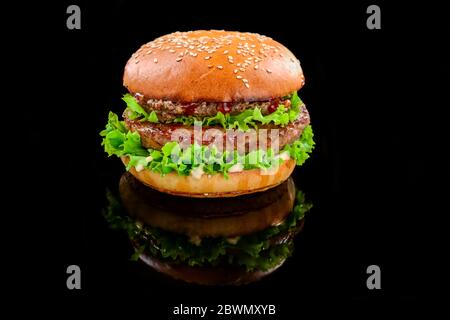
252 251
136 111
119 141
242 121
300 149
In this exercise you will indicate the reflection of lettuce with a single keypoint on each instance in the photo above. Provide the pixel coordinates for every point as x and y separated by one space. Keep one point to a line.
253 251
242 121
117 140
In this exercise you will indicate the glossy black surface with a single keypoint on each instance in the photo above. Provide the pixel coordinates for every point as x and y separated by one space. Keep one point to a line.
372 97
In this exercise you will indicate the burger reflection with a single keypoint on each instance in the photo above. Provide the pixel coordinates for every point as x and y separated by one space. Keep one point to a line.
209 241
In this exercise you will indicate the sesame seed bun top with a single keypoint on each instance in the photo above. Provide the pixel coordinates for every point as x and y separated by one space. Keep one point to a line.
213 66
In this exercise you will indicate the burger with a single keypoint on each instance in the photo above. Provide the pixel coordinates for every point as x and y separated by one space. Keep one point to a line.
209 241
211 114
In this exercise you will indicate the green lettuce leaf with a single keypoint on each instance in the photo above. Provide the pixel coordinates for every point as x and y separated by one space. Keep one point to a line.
153 117
135 111
300 149
117 140
133 105
252 251
296 102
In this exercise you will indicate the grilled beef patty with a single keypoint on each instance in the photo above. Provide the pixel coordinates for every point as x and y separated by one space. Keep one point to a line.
155 135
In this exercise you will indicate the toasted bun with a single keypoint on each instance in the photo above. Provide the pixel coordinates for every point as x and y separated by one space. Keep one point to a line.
213 66
209 217
207 275
213 186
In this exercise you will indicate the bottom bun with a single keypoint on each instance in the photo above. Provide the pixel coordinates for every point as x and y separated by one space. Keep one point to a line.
207 275
213 186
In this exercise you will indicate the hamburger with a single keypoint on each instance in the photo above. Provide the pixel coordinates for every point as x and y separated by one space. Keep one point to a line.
209 241
211 114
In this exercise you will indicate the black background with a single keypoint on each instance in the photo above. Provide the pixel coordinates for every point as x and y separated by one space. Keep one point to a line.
379 166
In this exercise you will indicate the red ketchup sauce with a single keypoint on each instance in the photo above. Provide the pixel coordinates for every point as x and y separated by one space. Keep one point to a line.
224 107
273 105
189 108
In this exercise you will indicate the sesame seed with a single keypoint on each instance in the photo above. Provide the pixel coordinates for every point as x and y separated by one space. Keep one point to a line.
210 65
225 52
269 71
219 67
256 67
137 61
149 51
247 85
172 51
238 77
242 69
179 59
207 57
245 80
194 54
230 57
236 71
252 46
155 60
